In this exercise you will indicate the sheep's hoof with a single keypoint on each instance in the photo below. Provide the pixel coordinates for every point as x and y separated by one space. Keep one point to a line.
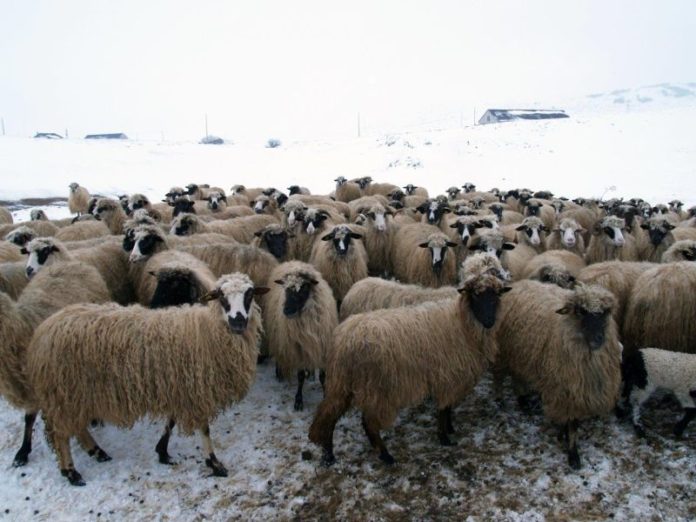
387 458
574 460
328 459
678 432
640 432
299 405
73 477
97 423
218 469
99 454
620 412
446 441
21 458
166 459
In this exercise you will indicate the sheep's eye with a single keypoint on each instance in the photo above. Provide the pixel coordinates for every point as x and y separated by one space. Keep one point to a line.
225 304
372 215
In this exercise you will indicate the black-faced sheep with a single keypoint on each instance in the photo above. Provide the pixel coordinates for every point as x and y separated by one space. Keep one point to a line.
649 369
186 363
20 236
341 259
661 309
420 256
658 239
412 190
565 345
611 241
532 233
54 288
78 199
374 293
296 189
384 360
274 238
299 317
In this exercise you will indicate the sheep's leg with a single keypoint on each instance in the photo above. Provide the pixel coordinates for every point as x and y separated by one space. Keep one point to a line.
689 414
23 454
442 431
573 455
299 404
91 446
636 399
322 381
450 426
67 468
211 461
278 373
322 428
163 444
372 431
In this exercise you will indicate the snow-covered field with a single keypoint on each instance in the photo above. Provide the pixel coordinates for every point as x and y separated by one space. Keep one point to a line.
506 465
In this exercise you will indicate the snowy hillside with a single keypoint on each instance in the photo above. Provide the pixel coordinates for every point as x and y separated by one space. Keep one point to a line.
644 149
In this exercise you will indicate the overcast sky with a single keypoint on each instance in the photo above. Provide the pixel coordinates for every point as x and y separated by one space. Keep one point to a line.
304 69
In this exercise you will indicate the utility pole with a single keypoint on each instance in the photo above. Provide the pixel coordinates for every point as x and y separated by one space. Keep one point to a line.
358 125
206 123
2 121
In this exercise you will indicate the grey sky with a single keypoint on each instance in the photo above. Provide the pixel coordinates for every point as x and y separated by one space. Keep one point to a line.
305 68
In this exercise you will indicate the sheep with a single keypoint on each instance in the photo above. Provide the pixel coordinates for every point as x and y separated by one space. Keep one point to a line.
296 189
37 214
108 258
109 211
9 252
200 192
174 194
78 199
374 293
240 229
373 189
567 235
684 250
659 238
299 316
453 193
20 236
332 206
618 277
542 210
217 201
420 256
316 222
224 259
40 228
532 233
274 239
340 259
559 267
13 278
660 309
249 193
433 211
383 361
412 190
293 213
56 287
82 230
186 363
378 238
645 371
505 215
5 216
514 257
346 190
609 242
565 345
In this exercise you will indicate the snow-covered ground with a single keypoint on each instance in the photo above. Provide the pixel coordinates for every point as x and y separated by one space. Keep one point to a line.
506 466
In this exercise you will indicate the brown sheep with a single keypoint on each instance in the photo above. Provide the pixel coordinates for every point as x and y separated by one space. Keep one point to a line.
611 241
420 256
78 199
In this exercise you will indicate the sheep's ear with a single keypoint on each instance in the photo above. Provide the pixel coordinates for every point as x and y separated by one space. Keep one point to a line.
543 227
54 248
224 198
259 233
261 290
481 224
328 237
564 311
644 226
211 296
24 251
669 226
461 290
521 227
454 225
279 282
424 245
446 210
354 235
508 246
152 273
451 245
422 208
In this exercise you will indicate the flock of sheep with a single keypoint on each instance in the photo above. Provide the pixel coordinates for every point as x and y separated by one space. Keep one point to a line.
135 308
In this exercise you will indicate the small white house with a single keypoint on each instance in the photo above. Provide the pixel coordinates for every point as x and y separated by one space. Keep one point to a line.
503 115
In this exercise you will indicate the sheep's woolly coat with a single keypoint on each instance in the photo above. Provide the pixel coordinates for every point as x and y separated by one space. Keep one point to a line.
5 216
563 261
602 247
78 199
9 252
619 277
13 278
111 213
347 191
120 364
385 360
225 259
380 230
548 352
40 228
50 290
374 293
82 230
555 240
684 250
413 264
661 309
240 229
340 271
302 341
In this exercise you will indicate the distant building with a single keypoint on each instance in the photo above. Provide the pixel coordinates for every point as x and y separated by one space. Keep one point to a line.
48 135
211 140
503 115
112 136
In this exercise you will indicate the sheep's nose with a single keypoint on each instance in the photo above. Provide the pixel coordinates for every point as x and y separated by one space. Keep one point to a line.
30 271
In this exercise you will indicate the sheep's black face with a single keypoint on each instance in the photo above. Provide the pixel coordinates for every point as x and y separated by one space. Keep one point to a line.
524 197
466 230
533 209
38 258
453 192
543 194
627 212
410 189
484 306
296 299
21 238
497 210
469 187
183 206
138 203
182 228
280 199
593 327
191 189
277 244
396 195
437 255
293 189
260 206
340 181
144 247
128 241
314 224
657 235
434 210
689 254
